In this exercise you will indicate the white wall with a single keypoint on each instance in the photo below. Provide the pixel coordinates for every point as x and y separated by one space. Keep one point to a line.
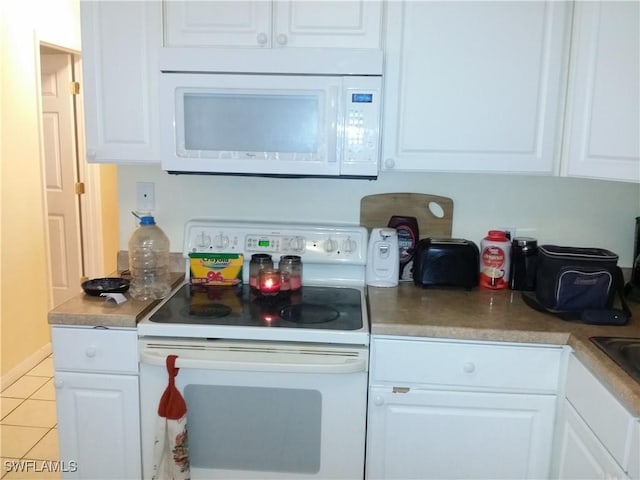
25 288
564 211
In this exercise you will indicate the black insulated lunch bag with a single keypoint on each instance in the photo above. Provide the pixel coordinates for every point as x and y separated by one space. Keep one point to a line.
579 283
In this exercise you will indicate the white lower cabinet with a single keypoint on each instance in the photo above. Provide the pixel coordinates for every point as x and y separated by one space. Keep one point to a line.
582 454
440 434
445 409
97 398
597 437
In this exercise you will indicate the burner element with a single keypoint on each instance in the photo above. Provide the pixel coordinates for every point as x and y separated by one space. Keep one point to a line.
309 313
210 310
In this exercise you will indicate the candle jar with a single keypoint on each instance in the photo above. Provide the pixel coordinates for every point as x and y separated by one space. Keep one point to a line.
259 261
269 281
292 265
285 281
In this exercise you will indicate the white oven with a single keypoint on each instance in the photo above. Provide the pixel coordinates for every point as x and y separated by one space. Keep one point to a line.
262 410
275 386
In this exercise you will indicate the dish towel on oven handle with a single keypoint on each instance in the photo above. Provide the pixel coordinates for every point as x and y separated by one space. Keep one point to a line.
171 450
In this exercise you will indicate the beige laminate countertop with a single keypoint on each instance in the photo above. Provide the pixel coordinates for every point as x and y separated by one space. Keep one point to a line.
86 310
407 310
489 315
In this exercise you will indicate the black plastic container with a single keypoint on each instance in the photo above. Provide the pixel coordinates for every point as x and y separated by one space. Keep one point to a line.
524 259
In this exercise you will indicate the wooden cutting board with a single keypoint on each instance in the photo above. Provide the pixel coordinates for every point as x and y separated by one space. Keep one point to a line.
376 210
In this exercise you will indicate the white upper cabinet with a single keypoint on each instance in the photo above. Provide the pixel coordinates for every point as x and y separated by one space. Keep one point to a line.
603 109
474 85
120 43
273 24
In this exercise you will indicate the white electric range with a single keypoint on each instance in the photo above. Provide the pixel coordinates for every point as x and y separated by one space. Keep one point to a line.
270 381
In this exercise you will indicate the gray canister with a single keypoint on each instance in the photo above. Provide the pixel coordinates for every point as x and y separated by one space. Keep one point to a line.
524 256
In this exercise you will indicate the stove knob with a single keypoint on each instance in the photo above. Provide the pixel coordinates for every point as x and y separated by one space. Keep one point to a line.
348 245
296 244
221 241
203 240
330 245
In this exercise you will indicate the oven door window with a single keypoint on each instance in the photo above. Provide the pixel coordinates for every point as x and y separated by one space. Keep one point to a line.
254 428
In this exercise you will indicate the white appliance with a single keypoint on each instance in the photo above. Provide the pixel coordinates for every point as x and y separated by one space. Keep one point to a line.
286 121
383 263
275 386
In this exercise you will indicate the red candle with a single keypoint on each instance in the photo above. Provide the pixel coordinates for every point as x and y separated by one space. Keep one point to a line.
269 281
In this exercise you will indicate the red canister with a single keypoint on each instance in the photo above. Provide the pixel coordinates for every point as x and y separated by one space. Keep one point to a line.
495 252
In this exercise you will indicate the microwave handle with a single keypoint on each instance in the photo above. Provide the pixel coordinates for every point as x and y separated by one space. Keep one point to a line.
349 365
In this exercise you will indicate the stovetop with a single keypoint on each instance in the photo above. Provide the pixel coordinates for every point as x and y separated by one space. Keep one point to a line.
309 307
329 308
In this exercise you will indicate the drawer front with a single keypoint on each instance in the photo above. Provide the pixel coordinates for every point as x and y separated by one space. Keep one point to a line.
95 350
604 414
461 364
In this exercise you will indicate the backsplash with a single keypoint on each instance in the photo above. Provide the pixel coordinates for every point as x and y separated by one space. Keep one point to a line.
565 211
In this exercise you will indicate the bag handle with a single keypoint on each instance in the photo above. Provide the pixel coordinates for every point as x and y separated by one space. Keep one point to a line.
605 316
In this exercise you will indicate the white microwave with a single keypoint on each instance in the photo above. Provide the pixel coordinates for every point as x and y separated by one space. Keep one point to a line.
298 125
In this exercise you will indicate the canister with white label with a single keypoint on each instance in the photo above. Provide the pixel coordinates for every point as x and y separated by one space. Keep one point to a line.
495 254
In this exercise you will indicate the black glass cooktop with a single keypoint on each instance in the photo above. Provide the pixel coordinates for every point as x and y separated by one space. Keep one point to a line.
310 307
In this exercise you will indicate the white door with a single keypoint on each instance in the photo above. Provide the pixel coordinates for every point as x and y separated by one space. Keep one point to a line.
314 24
581 455
422 434
473 86
98 425
60 154
604 92
221 23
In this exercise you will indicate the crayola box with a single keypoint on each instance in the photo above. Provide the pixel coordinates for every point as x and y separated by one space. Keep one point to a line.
215 268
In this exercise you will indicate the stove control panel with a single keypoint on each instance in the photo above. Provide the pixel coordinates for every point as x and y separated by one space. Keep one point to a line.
314 243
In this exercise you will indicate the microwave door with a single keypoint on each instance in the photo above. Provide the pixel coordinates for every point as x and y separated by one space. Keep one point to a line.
280 126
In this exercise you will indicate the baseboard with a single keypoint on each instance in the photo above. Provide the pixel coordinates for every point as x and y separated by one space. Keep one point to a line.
23 367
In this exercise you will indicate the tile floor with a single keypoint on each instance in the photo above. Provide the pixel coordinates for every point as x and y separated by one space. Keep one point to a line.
29 437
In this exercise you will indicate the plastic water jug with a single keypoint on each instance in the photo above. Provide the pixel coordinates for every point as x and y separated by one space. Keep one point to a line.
149 261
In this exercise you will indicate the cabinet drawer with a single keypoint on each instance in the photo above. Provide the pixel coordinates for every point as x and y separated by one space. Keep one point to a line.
461 364
95 350
606 417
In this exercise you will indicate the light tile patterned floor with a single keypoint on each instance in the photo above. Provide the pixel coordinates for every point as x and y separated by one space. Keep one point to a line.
29 437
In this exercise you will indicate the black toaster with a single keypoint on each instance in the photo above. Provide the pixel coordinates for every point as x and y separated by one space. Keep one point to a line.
451 262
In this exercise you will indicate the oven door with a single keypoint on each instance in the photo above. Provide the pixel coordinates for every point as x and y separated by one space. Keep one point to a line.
261 410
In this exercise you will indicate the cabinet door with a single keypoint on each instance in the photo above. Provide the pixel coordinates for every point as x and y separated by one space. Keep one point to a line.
120 42
318 23
302 23
425 434
235 23
603 118
581 455
474 86
99 424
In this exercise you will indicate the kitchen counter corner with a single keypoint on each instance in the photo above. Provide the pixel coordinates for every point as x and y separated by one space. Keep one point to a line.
85 310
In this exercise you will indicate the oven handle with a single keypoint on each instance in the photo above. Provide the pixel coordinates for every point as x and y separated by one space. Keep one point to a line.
350 365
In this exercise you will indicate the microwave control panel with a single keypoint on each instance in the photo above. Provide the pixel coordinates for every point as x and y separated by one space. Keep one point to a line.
363 98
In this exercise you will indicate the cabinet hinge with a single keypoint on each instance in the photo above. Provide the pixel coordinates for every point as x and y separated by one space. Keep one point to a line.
74 88
79 188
